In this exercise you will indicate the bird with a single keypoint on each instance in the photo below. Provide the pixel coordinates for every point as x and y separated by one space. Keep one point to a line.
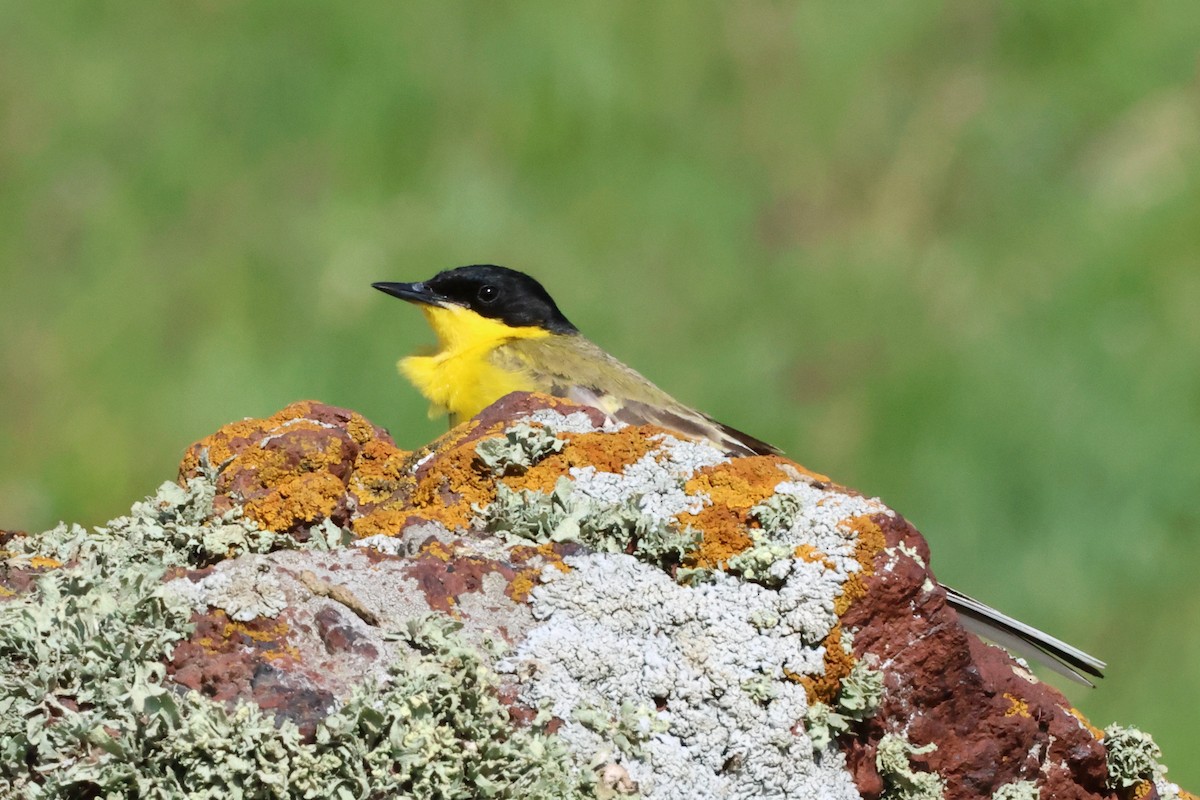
499 331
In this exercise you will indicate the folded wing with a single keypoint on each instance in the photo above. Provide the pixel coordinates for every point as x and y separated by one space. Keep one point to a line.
576 369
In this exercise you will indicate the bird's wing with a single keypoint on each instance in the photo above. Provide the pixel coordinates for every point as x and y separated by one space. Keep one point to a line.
1025 640
576 369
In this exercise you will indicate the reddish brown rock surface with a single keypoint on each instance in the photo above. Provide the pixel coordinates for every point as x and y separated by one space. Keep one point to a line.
992 724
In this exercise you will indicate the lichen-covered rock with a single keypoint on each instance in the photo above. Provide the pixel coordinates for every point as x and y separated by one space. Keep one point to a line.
542 603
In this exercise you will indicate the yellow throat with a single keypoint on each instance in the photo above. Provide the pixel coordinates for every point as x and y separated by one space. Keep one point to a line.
459 378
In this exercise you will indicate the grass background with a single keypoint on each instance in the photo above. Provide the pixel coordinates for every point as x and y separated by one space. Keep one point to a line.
947 253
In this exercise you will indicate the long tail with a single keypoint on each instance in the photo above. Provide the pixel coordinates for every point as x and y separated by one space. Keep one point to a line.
1024 640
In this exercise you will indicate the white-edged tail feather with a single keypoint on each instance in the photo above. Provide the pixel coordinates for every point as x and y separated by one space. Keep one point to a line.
1025 640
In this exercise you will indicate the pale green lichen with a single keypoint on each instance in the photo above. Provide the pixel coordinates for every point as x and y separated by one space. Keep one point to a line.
435 728
521 446
326 535
695 576
763 562
176 527
654 540
823 724
767 560
761 689
905 550
861 693
87 710
1018 790
532 515
81 678
566 515
763 619
899 779
629 729
1132 756
778 512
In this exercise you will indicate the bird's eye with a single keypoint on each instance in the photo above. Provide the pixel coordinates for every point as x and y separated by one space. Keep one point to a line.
488 293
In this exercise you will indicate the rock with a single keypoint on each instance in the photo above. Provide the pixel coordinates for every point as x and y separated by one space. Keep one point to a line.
539 604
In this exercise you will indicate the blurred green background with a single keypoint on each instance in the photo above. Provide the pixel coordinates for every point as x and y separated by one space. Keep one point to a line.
946 253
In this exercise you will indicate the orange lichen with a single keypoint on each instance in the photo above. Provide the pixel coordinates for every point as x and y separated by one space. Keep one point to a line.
869 540
522 584
386 482
722 538
446 494
549 551
853 589
300 464
303 498
232 438
274 632
1143 790
44 562
439 550
1017 707
543 555
359 429
263 634
806 552
379 472
606 452
304 454
385 521
269 638
838 663
734 488
283 651
1077 714
739 483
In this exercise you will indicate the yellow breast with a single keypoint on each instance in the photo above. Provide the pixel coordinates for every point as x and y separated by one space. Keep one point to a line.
460 378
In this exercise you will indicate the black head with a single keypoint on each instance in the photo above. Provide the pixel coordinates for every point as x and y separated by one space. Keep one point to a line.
498 293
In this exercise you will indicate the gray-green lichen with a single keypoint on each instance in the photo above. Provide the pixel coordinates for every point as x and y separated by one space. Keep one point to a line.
1132 756
764 562
861 692
87 709
568 515
519 448
900 781
177 527
81 676
823 724
778 512
435 729
1018 790
629 729
614 521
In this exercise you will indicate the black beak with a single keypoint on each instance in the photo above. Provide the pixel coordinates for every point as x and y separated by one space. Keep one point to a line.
412 292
